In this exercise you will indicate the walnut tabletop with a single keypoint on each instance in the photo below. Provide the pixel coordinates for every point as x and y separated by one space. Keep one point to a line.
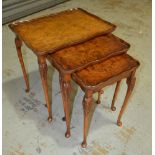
106 71
53 32
76 57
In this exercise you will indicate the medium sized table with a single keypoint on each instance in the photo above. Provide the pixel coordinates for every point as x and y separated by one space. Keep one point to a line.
72 59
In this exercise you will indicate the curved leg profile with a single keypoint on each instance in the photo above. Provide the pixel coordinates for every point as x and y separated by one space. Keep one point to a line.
131 83
18 43
43 74
87 102
113 108
65 91
99 96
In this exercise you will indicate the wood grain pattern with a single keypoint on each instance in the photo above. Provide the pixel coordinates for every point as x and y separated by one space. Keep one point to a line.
79 56
53 32
104 71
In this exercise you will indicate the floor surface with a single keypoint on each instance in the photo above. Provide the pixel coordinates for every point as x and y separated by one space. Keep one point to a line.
25 127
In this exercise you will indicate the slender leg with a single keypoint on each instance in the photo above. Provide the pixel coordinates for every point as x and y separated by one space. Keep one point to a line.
18 43
43 74
99 96
87 102
131 83
113 108
61 90
65 91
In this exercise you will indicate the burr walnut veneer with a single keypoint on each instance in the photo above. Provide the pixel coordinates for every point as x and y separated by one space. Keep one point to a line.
53 32
93 78
79 45
50 33
79 56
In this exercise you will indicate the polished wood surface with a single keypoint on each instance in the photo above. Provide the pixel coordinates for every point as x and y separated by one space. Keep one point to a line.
76 57
51 33
93 78
56 31
104 71
73 40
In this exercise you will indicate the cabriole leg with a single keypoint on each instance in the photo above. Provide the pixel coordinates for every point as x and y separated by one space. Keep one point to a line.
43 74
65 87
130 83
87 102
18 43
113 108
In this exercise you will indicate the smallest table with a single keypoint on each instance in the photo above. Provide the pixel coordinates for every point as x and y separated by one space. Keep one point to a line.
95 77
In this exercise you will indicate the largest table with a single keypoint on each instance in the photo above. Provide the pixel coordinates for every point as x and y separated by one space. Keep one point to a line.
54 32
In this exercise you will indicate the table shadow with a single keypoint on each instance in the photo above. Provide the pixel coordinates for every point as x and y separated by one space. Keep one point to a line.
30 106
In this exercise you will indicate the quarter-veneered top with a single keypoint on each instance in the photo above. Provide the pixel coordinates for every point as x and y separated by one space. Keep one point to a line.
56 31
106 70
79 56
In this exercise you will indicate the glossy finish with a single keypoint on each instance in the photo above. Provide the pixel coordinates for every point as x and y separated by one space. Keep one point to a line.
133 20
56 31
105 71
37 34
72 59
76 57
93 78
47 34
